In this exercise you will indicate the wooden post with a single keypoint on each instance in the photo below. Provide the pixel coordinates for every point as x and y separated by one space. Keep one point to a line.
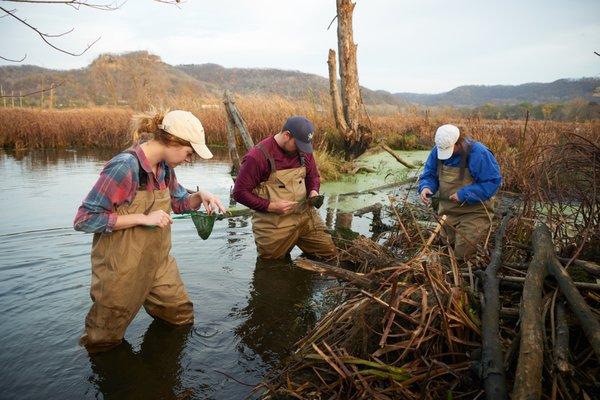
51 95
237 120
12 98
20 99
2 95
42 93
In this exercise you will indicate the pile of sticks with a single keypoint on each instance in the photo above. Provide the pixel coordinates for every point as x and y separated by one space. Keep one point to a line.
426 327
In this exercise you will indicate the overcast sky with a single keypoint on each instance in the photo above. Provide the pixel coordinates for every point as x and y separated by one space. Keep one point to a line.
424 46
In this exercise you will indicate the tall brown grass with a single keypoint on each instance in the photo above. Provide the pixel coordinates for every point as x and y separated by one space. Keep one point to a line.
109 127
22 128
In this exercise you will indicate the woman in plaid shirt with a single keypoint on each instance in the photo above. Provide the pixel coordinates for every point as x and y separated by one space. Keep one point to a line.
128 211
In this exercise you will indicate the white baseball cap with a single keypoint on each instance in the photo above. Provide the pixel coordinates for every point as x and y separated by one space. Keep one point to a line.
446 137
186 126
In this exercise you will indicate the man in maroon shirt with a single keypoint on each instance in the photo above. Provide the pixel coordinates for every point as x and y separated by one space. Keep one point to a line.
276 178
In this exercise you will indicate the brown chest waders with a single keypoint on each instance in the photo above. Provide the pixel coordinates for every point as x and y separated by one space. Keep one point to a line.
132 268
276 235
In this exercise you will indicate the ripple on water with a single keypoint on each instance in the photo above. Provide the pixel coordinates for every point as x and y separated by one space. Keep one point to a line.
44 294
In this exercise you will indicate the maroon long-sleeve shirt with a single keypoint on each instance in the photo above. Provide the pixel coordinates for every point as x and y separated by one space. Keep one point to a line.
255 169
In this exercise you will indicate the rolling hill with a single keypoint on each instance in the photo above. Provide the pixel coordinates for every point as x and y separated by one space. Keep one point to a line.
140 78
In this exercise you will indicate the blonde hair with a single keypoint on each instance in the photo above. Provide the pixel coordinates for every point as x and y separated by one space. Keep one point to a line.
145 126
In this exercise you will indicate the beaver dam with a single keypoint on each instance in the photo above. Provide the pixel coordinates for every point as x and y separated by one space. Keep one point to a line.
521 320
398 319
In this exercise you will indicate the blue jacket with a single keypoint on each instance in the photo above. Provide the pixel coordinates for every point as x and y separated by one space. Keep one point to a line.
482 166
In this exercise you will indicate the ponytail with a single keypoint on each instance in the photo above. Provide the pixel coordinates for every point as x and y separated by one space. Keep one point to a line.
145 126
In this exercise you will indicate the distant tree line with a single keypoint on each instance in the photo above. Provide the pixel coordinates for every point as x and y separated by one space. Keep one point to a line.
578 109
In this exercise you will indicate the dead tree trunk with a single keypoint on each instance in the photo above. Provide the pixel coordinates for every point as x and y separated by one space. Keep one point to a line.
336 102
348 66
232 145
236 119
528 377
491 357
357 136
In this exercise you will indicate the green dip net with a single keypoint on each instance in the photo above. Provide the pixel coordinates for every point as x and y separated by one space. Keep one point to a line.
204 223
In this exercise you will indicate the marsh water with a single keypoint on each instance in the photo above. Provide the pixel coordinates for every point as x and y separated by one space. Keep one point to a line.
248 314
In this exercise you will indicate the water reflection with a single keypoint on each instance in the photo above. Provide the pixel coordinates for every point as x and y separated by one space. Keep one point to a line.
279 310
44 282
45 158
152 373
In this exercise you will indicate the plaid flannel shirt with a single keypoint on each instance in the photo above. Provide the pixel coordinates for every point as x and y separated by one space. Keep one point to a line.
118 183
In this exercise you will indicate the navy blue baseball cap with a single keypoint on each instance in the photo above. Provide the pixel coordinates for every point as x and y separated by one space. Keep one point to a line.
302 130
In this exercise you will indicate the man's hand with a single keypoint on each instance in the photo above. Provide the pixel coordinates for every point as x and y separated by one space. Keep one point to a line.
282 206
157 218
313 193
425 193
454 198
211 202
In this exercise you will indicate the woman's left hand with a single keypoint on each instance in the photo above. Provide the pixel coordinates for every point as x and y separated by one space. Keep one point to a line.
211 202
454 198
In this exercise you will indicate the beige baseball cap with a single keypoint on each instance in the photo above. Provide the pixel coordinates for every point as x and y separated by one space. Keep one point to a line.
186 126
446 137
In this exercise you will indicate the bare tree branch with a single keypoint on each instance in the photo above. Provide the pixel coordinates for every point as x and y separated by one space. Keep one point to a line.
596 53
6 15
45 35
76 4
16 61
334 18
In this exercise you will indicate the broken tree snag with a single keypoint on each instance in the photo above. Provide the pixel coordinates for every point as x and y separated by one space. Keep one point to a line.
236 118
491 353
587 319
401 160
357 136
561 347
232 146
336 102
528 376
348 66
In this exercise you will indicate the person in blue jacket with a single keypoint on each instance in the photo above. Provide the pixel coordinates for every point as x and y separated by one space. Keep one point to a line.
466 176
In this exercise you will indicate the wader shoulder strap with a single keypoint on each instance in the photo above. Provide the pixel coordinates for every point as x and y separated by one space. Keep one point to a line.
167 174
268 157
466 150
302 159
142 174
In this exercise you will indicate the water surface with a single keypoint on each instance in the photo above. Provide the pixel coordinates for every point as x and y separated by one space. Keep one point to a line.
247 314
